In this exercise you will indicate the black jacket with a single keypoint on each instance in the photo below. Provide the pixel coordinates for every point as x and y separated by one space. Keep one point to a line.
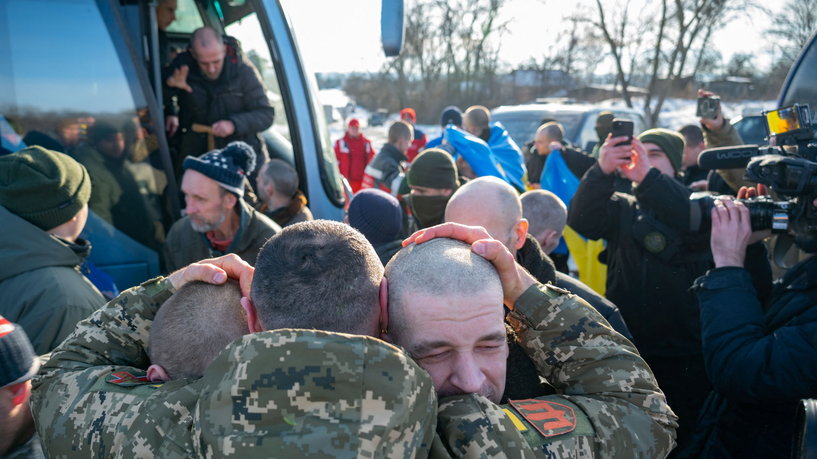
760 356
237 95
650 286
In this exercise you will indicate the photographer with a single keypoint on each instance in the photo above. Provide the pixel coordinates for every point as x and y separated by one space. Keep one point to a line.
651 259
760 355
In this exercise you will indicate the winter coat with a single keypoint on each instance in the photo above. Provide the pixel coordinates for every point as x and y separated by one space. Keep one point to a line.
760 357
386 171
42 287
418 144
117 198
237 95
650 286
536 261
185 245
353 154
295 212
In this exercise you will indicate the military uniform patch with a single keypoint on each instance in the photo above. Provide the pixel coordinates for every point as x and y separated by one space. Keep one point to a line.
128 379
549 418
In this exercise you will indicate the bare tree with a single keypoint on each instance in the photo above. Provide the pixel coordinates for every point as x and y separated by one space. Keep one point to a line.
793 27
678 34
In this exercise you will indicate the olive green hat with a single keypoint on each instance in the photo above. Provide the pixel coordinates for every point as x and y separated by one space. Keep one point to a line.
670 141
43 187
433 168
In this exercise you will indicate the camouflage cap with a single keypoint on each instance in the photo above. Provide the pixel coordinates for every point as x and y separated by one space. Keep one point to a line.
305 392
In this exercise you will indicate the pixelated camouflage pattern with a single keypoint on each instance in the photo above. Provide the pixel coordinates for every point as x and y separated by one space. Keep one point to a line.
382 403
472 426
328 395
598 370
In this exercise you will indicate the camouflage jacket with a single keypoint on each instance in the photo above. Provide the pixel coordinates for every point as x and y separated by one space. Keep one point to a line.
281 393
609 404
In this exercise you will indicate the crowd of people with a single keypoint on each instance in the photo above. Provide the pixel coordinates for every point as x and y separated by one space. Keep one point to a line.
440 319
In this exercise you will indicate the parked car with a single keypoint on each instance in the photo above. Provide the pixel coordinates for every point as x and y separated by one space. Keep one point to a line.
579 121
752 129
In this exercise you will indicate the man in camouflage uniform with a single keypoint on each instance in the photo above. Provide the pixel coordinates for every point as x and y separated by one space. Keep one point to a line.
608 402
281 393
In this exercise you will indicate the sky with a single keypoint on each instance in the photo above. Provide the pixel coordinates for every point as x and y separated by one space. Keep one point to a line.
345 36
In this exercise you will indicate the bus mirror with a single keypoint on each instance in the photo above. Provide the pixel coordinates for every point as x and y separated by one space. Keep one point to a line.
392 27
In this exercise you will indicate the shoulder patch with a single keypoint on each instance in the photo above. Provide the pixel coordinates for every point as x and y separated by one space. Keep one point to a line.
549 418
129 379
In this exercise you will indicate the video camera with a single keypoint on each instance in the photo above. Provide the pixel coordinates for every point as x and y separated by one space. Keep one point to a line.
787 165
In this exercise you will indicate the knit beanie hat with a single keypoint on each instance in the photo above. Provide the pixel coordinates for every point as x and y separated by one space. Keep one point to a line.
227 166
43 187
433 168
18 362
604 124
377 215
670 141
451 115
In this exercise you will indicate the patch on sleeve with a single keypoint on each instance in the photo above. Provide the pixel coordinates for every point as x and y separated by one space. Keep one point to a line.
549 418
129 379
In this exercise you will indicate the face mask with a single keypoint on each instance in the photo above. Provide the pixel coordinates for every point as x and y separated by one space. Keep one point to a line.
429 210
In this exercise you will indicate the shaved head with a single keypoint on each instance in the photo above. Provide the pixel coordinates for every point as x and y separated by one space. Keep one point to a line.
207 47
490 203
445 309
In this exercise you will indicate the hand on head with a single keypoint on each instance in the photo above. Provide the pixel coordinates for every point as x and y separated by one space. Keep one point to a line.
216 271
515 280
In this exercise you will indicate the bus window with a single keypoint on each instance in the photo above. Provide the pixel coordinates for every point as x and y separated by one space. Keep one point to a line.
187 19
65 88
249 34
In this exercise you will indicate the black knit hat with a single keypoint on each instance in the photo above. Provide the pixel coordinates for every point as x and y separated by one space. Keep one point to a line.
377 215
44 187
227 166
18 362
433 168
451 115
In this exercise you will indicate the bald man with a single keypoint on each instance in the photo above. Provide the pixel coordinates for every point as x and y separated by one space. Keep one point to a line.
494 205
219 90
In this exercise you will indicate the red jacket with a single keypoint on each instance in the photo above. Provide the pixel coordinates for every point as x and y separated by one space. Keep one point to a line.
353 155
417 145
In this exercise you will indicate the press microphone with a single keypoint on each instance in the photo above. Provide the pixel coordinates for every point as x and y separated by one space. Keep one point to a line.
734 157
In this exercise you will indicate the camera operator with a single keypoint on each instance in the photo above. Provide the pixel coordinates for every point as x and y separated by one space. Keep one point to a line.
759 343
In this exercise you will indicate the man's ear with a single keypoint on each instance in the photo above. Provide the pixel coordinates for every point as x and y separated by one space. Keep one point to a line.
253 322
384 309
521 232
19 393
547 240
157 373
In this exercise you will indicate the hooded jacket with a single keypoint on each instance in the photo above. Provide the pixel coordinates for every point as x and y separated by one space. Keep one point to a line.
185 245
41 284
281 393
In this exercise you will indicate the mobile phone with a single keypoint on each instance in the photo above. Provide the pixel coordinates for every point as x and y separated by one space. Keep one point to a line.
708 107
622 127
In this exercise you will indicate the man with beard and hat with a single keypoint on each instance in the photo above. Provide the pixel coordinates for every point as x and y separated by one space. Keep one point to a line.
218 220
432 180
